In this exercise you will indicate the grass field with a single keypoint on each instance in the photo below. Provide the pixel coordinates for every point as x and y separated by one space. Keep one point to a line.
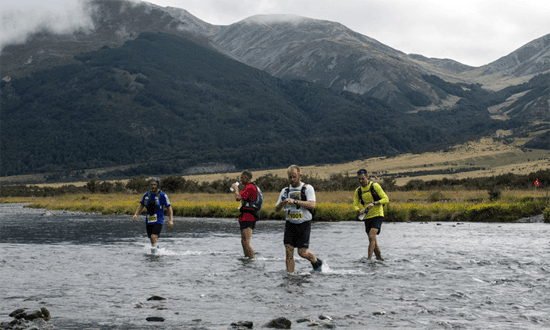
496 157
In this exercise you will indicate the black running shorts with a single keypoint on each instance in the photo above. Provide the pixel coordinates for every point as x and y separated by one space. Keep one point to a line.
247 224
153 229
297 235
375 222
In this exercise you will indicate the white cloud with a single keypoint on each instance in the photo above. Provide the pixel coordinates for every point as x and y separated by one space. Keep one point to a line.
276 18
19 19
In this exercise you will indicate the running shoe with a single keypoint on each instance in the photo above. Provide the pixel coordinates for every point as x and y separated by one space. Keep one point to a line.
317 266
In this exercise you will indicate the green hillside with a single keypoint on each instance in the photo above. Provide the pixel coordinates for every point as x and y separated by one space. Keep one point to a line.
168 103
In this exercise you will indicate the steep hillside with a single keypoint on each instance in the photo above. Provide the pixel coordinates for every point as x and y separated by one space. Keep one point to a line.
532 58
289 47
329 54
148 79
168 101
336 57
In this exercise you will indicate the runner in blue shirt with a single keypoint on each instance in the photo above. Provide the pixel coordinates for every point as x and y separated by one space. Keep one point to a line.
155 201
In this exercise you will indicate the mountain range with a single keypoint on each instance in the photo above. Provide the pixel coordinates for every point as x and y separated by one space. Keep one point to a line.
159 91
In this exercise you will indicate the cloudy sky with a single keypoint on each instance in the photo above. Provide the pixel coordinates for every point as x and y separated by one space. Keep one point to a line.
473 32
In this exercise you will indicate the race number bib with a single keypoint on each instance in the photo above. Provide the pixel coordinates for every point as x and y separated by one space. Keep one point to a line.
295 215
152 219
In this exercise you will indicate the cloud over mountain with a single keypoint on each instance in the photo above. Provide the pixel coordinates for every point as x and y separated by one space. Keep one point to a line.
18 22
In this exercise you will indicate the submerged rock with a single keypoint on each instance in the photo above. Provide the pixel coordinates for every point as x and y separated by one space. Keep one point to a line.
156 298
17 324
155 319
17 311
534 219
42 313
24 319
243 324
279 323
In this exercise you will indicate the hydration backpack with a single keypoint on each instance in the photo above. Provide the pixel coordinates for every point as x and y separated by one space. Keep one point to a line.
254 207
302 197
153 205
373 192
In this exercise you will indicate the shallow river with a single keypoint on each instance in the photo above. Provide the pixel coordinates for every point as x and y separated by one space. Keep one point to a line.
97 272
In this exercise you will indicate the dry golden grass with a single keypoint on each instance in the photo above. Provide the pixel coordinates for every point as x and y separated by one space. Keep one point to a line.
335 197
495 156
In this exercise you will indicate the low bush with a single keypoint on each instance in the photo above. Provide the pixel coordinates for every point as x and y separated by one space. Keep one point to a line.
272 183
546 214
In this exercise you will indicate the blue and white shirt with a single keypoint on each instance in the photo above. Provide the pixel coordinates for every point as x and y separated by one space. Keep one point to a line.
163 201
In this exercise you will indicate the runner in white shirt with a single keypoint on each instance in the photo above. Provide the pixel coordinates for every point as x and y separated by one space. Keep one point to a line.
298 218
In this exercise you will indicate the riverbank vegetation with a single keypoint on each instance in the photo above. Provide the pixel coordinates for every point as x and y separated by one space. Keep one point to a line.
274 183
457 205
501 198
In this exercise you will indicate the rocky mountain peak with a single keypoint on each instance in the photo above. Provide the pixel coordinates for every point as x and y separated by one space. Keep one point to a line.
532 58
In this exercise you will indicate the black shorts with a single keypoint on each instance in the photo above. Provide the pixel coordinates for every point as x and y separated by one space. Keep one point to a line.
375 222
153 229
247 224
297 235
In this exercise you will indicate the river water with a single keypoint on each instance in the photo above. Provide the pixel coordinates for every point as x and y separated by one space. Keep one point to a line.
97 272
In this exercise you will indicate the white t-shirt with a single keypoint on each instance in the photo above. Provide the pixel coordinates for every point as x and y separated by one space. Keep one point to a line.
297 214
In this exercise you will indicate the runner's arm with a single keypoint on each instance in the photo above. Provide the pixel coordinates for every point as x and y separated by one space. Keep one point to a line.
138 211
383 197
310 205
236 191
171 216
280 202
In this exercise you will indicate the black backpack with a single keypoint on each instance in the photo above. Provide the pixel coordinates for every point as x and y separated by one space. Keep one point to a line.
150 204
302 197
373 192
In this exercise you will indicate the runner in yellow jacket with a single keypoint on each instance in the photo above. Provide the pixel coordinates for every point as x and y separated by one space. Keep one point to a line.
369 207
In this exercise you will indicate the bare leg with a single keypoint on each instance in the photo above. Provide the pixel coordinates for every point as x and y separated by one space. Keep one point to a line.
246 235
289 258
377 252
154 239
373 244
306 254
